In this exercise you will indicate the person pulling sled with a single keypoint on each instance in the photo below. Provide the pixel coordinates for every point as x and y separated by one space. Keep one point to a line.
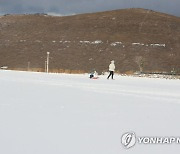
111 70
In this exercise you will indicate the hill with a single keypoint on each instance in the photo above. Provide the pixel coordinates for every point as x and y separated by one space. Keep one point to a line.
84 42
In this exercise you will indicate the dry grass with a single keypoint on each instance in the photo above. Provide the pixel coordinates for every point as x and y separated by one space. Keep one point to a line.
27 38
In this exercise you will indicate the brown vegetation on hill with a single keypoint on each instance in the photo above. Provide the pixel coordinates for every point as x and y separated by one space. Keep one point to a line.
90 41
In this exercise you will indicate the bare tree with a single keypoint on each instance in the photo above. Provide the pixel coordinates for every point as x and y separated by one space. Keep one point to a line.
139 60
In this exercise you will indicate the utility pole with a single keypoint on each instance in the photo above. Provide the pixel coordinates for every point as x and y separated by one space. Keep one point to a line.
28 65
47 62
45 66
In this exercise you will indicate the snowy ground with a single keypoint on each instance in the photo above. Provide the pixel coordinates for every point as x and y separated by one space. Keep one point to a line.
71 114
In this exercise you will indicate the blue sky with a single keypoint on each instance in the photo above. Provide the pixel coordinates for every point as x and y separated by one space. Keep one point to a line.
67 7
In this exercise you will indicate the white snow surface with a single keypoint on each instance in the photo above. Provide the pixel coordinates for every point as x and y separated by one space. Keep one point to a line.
72 114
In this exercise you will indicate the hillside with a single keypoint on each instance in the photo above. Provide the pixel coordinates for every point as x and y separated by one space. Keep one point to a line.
89 41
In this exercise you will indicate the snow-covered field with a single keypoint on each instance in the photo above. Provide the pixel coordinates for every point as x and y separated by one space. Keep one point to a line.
71 114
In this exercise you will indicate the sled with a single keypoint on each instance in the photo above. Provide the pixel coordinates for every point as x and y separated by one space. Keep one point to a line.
94 78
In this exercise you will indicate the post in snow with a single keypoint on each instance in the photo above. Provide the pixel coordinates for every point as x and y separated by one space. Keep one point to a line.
47 62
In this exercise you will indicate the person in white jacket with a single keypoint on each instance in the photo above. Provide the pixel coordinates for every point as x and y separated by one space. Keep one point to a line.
111 69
